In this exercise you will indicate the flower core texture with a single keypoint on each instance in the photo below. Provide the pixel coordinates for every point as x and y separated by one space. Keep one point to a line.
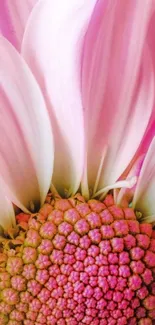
77 262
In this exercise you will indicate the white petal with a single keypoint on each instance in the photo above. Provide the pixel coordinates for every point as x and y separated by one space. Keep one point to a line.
7 215
52 47
26 144
144 198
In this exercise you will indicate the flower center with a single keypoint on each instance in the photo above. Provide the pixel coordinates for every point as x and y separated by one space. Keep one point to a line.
78 262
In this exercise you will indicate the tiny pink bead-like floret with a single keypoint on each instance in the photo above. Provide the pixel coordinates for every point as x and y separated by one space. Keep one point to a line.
133 226
29 255
135 282
143 241
149 259
71 216
18 282
95 236
124 258
33 238
121 227
59 241
117 244
137 253
93 220
65 228
105 247
14 265
82 227
106 217
146 229
107 232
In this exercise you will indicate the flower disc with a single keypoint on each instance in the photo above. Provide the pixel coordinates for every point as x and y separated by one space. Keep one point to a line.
78 262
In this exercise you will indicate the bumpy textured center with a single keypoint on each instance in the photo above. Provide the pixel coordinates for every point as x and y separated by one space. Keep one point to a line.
78 263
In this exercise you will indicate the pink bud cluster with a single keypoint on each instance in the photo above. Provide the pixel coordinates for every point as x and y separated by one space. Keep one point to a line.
79 263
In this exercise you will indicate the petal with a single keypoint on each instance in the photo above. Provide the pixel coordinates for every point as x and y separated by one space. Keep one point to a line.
125 195
13 18
26 145
51 46
115 86
144 197
149 134
7 215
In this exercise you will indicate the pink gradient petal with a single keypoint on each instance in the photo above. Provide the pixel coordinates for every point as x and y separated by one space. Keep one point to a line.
26 146
13 18
52 46
146 141
144 196
116 85
125 195
150 131
7 215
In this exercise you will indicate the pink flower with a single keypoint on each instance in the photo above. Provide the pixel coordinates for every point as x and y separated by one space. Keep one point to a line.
77 104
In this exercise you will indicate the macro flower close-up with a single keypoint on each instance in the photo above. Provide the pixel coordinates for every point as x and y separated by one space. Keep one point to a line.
77 162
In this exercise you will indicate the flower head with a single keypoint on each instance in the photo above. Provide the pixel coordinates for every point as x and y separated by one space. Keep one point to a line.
77 115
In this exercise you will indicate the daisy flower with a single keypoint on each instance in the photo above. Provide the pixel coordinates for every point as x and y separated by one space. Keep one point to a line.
77 162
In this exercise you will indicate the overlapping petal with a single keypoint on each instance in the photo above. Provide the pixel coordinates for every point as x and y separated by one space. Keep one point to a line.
52 47
13 18
117 85
144 197
7 215
26 144
125 195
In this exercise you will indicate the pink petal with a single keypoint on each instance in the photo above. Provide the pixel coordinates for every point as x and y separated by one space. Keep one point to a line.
7 215
117 89
144 198
52 47
26 146
150 132
13 18
125 195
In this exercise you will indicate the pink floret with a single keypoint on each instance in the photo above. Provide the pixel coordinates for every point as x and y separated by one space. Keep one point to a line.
129 241
137 253
117 244
105 247
107 232
133 226
149 302
137 267
124 258
143 241
146 228
149 259
135 282
121 228
94 220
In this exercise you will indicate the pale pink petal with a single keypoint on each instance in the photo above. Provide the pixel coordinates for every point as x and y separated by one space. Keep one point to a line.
13 18
144 198
125 195
148 136
150 131
52 47
150 34
26 145
117 89
7 215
